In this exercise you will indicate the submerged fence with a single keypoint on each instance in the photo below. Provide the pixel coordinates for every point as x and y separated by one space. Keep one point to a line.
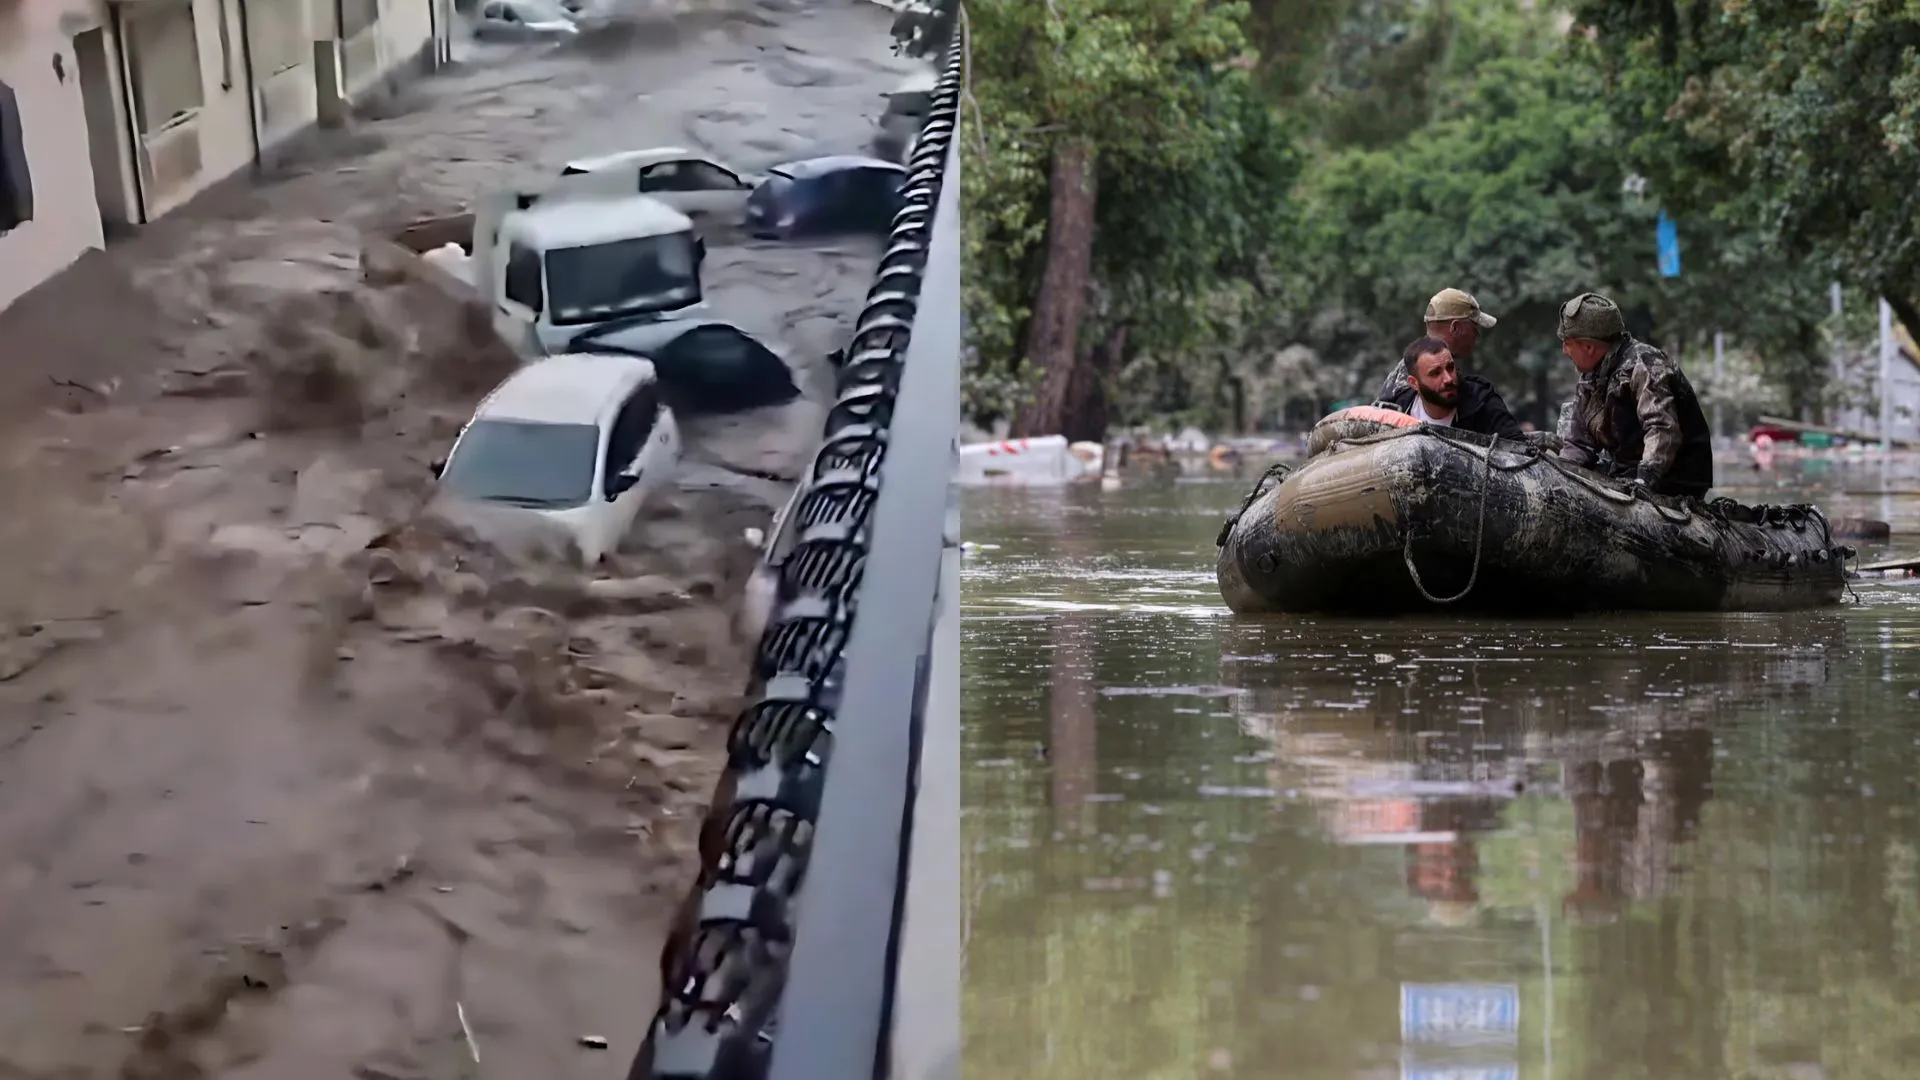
788 958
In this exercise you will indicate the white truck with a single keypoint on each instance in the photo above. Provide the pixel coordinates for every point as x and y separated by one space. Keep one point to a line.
554 262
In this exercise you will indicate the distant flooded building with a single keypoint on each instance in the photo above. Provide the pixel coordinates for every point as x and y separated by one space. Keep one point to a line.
113 114
1903 388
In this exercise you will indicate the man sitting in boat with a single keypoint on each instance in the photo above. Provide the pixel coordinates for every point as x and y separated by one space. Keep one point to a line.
1455 318
1435 392
1634 415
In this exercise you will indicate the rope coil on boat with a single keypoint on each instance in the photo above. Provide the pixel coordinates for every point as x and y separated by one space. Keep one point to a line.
724 975
1479 544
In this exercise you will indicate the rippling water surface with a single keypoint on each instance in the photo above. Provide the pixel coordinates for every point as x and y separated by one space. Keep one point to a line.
1613 848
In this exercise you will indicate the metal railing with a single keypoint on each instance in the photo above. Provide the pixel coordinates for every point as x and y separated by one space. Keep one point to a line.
786 962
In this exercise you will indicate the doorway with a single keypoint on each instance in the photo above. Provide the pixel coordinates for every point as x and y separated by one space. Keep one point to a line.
107 140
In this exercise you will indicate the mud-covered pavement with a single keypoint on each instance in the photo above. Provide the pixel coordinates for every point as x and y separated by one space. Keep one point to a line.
295 780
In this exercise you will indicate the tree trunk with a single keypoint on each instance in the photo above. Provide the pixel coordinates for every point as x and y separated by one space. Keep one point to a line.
1907 313
1053 337
1088 406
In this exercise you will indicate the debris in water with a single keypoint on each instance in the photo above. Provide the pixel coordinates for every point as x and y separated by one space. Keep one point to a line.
594 1042
473 1048
1170 691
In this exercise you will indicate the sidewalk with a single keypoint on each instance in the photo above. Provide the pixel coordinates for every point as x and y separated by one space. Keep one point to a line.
281 807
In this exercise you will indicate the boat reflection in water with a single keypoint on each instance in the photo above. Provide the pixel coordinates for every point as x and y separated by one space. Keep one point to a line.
1528 831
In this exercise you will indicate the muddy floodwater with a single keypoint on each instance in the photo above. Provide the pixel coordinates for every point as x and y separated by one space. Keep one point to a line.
1630 847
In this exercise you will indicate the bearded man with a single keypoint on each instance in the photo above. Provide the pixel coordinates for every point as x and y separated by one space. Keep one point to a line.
1437 392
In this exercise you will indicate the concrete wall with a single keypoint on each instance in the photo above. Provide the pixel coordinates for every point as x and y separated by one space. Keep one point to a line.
66 220
280 52
222 127
262 87
406 30
382 54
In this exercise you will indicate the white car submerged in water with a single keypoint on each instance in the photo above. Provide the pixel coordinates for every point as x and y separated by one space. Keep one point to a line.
693 184
578 441
524 20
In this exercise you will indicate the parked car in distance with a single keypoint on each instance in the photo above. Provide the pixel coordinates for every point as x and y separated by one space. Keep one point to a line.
523 20
577 440
826 196
694 184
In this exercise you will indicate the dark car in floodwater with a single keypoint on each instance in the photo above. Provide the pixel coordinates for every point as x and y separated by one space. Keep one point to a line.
826 196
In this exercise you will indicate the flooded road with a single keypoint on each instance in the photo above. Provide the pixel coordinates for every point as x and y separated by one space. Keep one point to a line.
300 780
1626 847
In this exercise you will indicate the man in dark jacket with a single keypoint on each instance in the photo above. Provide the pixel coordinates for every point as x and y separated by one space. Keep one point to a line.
1455 318
1435 392
1634 415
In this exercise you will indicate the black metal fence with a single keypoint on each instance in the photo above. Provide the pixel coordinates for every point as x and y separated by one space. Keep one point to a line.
786 964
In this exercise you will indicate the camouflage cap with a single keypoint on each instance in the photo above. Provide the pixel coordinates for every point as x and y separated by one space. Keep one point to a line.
1591 316
1450 304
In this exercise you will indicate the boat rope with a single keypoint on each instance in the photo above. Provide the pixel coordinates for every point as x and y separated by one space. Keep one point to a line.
1479 542
1275 472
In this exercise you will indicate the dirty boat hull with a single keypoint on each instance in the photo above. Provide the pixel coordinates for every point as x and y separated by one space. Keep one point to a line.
1333 536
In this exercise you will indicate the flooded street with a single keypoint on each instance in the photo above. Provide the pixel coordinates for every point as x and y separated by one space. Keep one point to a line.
299 780
1631 847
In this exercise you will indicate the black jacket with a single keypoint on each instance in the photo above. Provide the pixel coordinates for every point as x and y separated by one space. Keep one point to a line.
1479 409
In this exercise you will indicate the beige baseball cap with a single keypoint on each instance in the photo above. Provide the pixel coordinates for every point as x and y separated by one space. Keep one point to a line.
1450 304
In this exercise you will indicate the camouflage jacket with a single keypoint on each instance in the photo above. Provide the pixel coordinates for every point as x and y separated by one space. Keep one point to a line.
1396 382
1636 417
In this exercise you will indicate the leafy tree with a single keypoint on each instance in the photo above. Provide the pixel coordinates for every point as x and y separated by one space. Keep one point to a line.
1163 226
1518 191
1796 120
1510 196
1384 69
1097 197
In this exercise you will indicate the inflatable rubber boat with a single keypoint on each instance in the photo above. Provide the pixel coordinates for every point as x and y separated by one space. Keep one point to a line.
1389 515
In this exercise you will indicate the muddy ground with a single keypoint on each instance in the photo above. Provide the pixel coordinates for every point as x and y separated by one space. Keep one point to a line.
296 780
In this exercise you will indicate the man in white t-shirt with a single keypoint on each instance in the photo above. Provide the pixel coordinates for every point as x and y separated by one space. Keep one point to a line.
1435 392
1454 317
1445 417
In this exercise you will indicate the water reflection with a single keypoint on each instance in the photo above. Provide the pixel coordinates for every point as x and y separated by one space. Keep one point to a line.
1663 848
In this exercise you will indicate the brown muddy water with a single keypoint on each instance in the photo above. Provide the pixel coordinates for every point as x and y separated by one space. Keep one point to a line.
297 780
1632 847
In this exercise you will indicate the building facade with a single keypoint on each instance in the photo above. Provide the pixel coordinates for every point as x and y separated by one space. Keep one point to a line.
125 110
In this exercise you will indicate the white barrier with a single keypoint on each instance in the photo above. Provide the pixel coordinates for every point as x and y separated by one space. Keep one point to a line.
1046 459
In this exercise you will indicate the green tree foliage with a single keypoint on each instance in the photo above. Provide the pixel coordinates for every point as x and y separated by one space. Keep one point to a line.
1510 196
1265 231
1797 120
1191 172
1384 68
1515 192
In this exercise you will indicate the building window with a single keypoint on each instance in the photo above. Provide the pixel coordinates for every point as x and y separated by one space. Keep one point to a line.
357 15
164 55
